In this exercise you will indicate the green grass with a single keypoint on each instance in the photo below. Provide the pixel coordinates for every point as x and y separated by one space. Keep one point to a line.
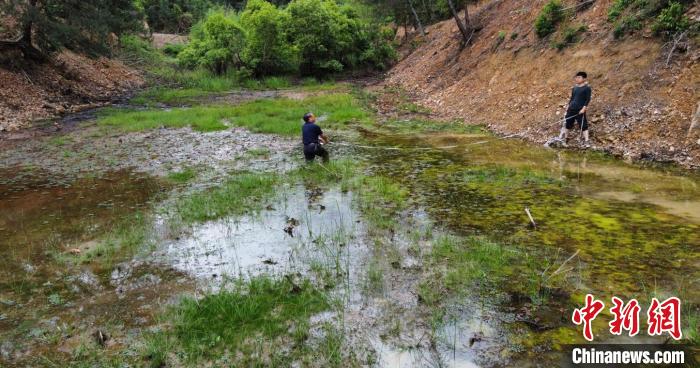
258 152
468 263
204 119
60 140
380 200
182 176
232 319
279 116
169 96
243 193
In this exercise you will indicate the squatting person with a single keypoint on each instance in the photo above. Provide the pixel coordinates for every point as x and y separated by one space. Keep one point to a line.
313 139
576 110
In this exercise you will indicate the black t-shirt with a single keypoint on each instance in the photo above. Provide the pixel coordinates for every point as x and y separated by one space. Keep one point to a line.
310 133
580 97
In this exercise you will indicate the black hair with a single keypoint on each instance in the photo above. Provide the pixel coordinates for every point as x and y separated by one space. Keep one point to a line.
582 74
308 116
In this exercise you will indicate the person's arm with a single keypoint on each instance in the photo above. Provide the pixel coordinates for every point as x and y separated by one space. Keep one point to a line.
587 100
321 137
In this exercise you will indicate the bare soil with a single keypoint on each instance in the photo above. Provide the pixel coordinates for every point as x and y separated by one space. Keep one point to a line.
67 83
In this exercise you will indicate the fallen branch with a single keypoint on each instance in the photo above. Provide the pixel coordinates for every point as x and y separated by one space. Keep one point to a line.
676 41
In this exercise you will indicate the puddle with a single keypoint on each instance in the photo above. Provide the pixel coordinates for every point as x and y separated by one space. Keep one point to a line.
40 213
282 240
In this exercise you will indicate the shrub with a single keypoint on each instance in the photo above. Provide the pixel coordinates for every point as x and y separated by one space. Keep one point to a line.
627 25
267 50
617 8
173 49
216 43
549 17
569 36
671 20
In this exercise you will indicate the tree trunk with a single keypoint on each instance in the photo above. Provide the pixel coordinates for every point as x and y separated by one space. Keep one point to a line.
24 41
467 21
415 15
462 28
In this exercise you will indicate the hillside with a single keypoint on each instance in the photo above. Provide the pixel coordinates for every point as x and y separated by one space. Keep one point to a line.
641 108
67 83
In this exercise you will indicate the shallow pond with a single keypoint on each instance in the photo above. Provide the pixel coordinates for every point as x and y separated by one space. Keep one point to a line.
635 227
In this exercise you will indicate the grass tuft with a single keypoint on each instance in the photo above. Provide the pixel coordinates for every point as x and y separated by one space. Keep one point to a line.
243 193
263 308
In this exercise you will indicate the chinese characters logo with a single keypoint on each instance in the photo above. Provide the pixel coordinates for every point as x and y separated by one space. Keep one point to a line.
662 317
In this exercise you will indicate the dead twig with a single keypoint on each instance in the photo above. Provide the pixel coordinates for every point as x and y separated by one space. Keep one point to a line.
529 215
676 40
26 76
561 267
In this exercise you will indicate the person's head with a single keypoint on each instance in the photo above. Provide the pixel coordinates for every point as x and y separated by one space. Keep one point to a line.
580 77
309 117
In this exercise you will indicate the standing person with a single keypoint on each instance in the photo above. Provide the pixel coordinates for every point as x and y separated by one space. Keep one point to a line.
576 110
313 139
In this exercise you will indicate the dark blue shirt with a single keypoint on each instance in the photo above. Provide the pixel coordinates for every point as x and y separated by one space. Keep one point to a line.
580 97
310 133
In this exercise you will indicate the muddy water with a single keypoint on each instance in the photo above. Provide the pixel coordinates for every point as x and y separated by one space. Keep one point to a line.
46 295
636 229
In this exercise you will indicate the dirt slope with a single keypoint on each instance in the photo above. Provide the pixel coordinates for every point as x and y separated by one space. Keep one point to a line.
67 83
641 109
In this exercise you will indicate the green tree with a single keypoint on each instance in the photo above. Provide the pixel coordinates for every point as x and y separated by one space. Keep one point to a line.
321 33
267 49
216 43
45 26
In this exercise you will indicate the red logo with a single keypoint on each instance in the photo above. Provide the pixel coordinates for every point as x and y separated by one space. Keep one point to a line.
626 317
587 314
665 317
661 317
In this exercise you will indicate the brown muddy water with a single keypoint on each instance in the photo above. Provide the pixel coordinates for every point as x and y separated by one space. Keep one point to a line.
636 230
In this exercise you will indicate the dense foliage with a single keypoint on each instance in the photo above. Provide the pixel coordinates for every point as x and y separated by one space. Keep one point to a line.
309 37
546 22
178 16
267 50
50 25
215 44
666 17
